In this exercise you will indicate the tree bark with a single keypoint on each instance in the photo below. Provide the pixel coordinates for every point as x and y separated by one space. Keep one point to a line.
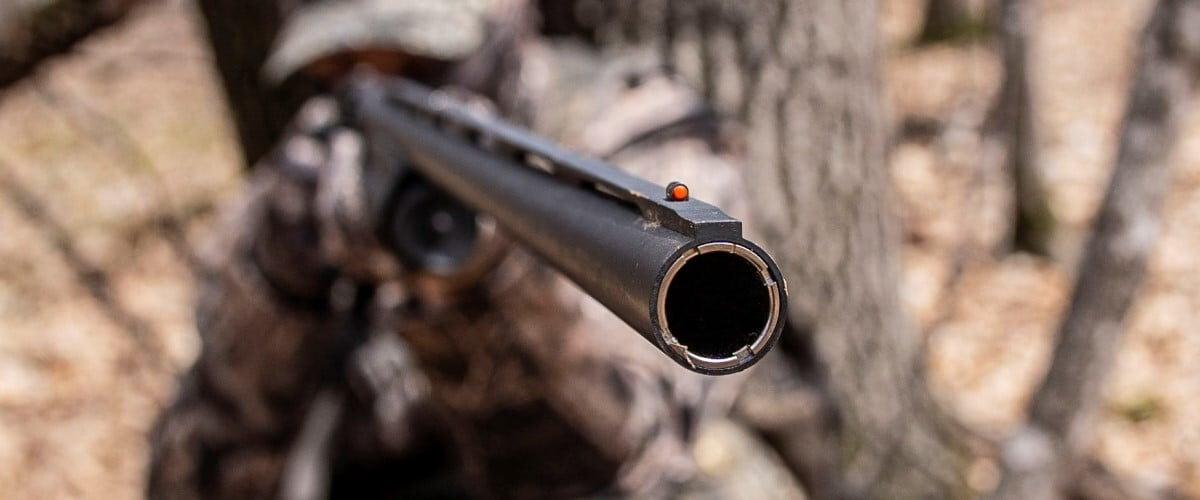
33 30
1044 455
1014 124
242 34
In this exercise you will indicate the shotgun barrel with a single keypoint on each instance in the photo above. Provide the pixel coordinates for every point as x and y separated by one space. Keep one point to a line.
674 268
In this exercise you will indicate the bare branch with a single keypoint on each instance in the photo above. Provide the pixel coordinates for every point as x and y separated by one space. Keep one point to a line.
94 279
1012 123
32 31
108 133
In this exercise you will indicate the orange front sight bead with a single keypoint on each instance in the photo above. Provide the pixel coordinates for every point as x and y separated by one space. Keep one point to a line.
677 191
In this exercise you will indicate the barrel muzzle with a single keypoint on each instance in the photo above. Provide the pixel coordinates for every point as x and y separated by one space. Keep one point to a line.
719 307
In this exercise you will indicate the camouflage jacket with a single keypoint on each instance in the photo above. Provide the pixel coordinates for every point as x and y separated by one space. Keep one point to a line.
326 369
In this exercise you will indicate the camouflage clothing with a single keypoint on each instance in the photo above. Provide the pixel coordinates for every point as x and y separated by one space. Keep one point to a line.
326 367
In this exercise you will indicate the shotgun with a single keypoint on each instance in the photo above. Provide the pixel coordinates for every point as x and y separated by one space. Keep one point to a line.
674 268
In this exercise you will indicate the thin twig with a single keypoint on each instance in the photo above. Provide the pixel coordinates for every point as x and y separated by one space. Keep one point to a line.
110 134
94 279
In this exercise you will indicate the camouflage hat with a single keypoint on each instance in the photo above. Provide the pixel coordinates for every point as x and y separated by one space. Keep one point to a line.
441 29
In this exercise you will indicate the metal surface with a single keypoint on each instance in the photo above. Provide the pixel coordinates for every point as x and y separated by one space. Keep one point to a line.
615 235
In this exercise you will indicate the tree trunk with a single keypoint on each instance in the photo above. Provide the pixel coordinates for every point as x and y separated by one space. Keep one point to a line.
1013 123
817 151
33 30
1050 449
946 19
242 34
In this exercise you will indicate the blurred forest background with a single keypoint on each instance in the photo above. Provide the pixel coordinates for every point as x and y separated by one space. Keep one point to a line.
114 158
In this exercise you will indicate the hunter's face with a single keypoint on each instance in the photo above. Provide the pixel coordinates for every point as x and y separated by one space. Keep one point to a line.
331 69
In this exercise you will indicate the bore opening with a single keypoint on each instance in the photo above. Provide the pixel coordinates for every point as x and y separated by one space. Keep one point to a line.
720 304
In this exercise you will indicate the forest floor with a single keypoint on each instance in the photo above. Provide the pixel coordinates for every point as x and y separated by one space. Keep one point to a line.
109 148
